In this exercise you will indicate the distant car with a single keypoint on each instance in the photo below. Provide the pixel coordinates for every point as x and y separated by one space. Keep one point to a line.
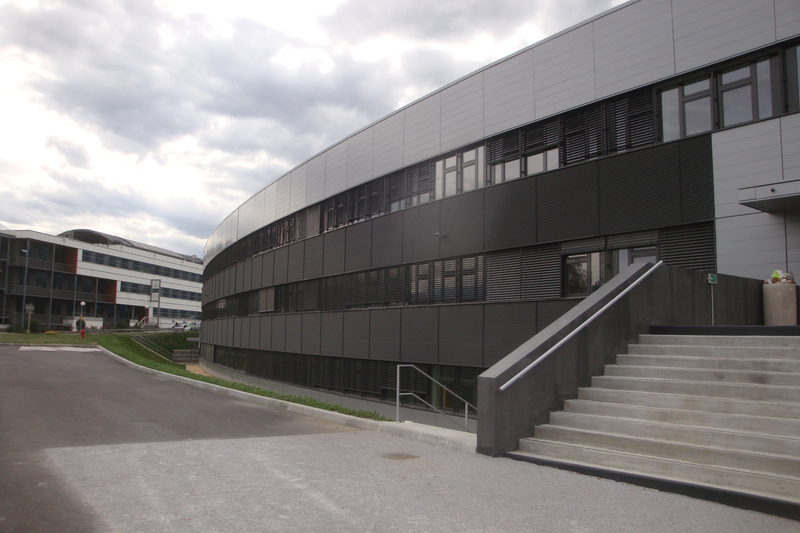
180 327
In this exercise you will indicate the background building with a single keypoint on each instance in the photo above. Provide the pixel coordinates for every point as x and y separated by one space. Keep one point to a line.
113 276
452 230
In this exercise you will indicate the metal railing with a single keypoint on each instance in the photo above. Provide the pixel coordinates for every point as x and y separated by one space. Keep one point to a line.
467 405
575 331
141 323
142 340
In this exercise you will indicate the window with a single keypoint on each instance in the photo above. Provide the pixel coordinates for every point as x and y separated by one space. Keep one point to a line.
462 172
583 273
746 93
686 109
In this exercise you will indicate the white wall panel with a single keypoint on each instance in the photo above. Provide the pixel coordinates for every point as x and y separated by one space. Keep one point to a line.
421 131
270 194
633 47
751 245
790 149
793 240
260 218
744 157
388 145
298 189
283 198
711 30
787 18
336 169
462 112
315 179
359 158
508 94
563 72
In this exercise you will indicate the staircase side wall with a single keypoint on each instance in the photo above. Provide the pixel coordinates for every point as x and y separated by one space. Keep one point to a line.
669 296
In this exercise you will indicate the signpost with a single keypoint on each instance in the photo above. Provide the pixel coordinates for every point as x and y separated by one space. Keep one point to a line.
29 310
712 280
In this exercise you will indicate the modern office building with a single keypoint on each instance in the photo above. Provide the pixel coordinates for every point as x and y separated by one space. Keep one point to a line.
455 228
114 278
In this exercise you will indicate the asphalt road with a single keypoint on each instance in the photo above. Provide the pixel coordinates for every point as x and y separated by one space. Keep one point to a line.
88 444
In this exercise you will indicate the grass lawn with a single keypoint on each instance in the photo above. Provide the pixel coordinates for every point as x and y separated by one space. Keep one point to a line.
123 346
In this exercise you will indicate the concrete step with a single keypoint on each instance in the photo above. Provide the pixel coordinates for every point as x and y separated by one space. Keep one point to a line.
788 379
721 340
782 488
752 423
682 361
692 403
748 352
742 391
776 464
697 435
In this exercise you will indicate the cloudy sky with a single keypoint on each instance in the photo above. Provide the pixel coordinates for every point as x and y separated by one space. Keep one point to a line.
153 120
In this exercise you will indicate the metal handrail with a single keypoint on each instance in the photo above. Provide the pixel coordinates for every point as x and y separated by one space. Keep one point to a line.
467 405
140 323
576 330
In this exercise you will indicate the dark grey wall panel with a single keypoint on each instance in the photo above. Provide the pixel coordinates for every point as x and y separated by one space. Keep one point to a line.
279 333
550 311
255 332
462 225
384 334
281 268
387 240
295 269
697 179
311 333
461 335
231 331
265 334
506 326
419 335
331 332
358 246
230 281
567 204
640 190
239 282
294 333
356 334
258 266
247 281
333 255
243 333
420 226
312 267
268 270
510 214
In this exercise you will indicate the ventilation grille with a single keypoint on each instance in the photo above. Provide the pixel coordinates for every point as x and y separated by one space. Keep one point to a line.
689 246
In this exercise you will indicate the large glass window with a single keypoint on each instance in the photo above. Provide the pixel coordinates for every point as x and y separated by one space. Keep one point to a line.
686 109
583 273
746 93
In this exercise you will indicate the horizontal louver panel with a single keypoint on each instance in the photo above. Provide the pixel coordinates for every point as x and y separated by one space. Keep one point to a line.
594 244
632 240
503 276
541 273
689 246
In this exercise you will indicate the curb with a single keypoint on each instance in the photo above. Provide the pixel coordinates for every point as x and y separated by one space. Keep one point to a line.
450 439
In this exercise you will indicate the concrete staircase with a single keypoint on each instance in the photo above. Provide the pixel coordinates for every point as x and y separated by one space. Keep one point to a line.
718 413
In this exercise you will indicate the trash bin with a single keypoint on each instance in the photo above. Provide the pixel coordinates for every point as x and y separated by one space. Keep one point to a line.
780 304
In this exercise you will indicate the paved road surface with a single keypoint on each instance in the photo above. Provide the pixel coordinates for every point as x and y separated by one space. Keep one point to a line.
88 444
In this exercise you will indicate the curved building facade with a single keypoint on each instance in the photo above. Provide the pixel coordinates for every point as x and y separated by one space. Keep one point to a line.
452 230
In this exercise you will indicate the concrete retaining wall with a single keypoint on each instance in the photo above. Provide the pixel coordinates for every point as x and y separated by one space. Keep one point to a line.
185 356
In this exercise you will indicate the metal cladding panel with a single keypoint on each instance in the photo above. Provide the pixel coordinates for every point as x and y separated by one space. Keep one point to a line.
508 94
315 179
313 258
384 334
503 276
510 214
255 276
312 333
633 47
296 259
268 270
356 334
283 199
787 17
790 146
421 130
388 145
294 333
563 72
331 326
243 332
278 333
259 217
270 195
744 157
245 218
462 225
281 274
640 190
792 241
333 254
567 203
751 246
247 278
420 228
707 31
550 311
419 335
688 246
231 331
461 335
697 179
541 272
462 112
358 246
387 240
336 169
506 327
255 332
239 279
298 190
359 157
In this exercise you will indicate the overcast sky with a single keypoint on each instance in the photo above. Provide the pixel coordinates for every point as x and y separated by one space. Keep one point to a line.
154 120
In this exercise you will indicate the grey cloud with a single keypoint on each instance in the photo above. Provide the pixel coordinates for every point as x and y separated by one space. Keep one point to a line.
75 154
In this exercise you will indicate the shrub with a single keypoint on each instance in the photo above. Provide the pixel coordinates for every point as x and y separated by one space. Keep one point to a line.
122 324
35 328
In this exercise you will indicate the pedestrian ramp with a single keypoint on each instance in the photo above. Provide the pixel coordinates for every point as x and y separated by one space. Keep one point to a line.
59 349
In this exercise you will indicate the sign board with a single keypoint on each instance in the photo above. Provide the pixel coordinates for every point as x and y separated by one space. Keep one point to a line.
712 279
